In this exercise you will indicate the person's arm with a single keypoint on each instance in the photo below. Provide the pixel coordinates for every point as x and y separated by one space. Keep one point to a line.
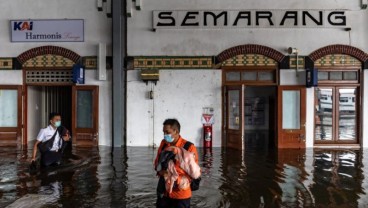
35 150
66 137
162 172
40 138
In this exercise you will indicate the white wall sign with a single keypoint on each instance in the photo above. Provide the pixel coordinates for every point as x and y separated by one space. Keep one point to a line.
54 30
249 19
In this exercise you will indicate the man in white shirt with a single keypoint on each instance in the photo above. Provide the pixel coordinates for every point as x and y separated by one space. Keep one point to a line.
55 131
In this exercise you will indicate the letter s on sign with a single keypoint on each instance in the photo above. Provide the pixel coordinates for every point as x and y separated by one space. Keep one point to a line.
170 21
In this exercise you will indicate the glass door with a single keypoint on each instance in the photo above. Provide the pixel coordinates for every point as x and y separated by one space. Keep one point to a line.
234 117
291 117
10 115
85 115
347 114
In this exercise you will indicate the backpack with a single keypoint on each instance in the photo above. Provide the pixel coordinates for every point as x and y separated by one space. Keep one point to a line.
194 185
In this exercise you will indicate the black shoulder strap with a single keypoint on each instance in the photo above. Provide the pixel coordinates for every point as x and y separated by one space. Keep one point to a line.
163 147
53 137
187 145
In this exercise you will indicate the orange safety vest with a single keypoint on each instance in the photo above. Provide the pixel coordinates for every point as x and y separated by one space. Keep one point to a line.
177 193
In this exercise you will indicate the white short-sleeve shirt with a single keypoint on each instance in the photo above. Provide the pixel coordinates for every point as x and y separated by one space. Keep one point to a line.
46 134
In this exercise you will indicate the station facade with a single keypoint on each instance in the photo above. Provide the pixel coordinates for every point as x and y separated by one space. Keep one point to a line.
248 61
41 42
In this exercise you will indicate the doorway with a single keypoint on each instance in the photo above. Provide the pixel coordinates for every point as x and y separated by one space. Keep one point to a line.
78 106
43 100
251 117
260 116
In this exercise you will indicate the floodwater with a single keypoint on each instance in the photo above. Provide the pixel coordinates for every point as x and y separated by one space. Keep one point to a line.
256 177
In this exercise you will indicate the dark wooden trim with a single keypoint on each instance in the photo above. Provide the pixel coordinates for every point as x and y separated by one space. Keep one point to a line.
25 115
308 62
365 65
223 127
285 63
74 114
18 129
16 64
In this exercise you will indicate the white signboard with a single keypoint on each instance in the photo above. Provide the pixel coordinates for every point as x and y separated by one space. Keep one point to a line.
173 19
55 30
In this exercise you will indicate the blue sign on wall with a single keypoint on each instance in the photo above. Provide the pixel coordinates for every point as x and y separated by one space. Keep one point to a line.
312 77
78 74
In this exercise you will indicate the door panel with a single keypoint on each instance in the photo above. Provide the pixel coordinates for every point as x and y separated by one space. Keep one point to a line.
347 114
85 115
324 115
234 117
10 115
291 117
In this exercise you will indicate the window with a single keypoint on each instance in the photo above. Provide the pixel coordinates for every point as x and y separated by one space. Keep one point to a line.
340 75
336 122
266 76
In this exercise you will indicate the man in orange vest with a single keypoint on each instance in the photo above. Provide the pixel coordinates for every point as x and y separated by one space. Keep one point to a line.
177 198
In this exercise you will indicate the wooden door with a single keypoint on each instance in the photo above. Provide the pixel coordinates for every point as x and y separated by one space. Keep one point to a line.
85 115
234 116
291 116
10 115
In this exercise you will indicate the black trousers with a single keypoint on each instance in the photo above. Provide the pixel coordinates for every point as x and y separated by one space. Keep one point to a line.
166 202
50 158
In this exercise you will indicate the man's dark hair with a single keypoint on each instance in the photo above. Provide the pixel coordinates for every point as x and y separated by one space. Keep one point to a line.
53 114
173 123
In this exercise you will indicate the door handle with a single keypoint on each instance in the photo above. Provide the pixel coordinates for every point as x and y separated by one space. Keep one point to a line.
95 136
301 138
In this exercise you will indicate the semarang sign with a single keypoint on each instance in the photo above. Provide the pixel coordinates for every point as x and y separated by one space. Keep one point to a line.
249 19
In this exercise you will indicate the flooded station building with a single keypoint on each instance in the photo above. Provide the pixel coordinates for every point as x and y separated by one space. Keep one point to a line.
41 42
289 72
248 62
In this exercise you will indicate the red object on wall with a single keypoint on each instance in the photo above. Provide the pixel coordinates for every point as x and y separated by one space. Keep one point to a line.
207 136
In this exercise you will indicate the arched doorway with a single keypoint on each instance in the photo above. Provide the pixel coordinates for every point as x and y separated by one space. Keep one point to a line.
250 79
48 87
338 97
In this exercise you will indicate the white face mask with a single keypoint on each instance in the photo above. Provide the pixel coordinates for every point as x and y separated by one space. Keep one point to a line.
57 124
168 138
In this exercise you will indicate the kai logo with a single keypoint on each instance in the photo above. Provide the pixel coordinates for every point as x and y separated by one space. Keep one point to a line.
23 25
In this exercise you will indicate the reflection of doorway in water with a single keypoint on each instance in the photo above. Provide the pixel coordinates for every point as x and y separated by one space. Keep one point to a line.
260 117
41 101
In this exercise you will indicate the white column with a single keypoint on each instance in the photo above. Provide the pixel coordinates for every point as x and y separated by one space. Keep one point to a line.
364 141
309 128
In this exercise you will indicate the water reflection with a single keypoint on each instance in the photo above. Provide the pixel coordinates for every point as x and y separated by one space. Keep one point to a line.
256 177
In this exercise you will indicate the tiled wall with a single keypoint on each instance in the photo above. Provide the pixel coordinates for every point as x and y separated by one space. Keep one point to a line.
249 60
337 60
173 62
